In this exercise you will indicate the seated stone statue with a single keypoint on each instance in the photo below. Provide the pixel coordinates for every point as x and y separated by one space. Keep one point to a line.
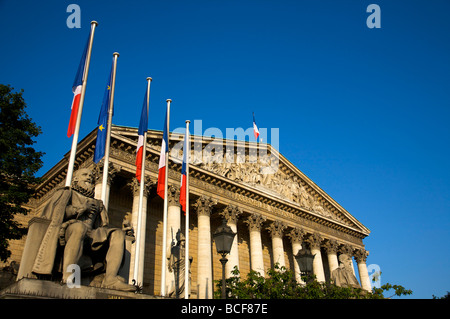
78 233
343 275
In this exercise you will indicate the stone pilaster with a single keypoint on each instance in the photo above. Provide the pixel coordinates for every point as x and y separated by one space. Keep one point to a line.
276 230
254 223
231 214
315 241
204 207
361 257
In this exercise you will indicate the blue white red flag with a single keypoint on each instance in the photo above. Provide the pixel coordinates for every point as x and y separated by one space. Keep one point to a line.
143 127
186 151
76 89
255 128
162 160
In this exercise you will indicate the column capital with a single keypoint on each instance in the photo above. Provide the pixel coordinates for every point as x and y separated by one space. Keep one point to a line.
204 205
314 240
231 213
173 196
135 185
346 249
276 229
112 171
296 235
361 255
331 246
255 221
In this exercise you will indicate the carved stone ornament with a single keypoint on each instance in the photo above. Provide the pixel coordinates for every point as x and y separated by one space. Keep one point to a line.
204 205
277 228
135 186
331 246
361 255
296 235
255 221
231 213
346 249
98 171
315 241
260 174
173 196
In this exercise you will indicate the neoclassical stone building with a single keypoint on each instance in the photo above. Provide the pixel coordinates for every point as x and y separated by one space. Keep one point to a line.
274 208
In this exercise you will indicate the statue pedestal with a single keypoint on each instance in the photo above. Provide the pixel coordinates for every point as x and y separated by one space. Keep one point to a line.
28 288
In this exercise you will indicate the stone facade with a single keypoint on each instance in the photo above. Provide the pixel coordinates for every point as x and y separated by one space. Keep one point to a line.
274 212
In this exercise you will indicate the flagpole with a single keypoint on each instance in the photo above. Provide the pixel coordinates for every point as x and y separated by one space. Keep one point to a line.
137 253
187 149
73 150
164 252
108 133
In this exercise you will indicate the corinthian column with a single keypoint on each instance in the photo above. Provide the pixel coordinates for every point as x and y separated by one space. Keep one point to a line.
315 241
361 257
134 185
98 173
255 222
276 230
204 206
331 248
173 227
296 236
231 214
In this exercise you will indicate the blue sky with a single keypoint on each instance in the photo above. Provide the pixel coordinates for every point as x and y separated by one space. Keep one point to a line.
363 112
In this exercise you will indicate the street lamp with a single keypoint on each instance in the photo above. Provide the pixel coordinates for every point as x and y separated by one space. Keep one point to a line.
305 261
223 236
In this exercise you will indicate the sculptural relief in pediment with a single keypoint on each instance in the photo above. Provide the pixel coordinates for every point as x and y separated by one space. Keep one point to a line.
262 175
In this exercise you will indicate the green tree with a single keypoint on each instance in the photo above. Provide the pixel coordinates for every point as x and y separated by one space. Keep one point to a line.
19 162
280 283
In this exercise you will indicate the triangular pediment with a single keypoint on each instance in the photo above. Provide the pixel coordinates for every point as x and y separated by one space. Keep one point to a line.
255 166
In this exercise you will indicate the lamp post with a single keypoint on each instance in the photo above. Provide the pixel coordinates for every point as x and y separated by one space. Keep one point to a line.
223 236
305 261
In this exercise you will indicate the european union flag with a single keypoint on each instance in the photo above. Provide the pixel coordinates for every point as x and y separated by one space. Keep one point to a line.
103 122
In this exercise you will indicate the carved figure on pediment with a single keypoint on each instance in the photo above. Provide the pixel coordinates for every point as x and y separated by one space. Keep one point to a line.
246 173
305 198
240 157
295 190
197 155
317 208
252 174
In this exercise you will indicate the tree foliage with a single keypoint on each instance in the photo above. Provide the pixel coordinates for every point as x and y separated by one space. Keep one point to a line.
19 162
280 283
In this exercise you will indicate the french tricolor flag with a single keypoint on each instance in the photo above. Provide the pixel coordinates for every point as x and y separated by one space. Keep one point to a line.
76 89
162 160
183 187
255 128
143 127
